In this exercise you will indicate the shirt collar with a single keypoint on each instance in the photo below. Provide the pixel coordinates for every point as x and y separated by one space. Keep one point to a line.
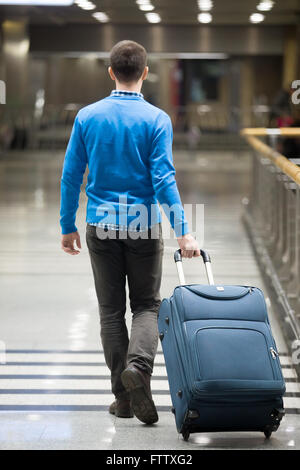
126 93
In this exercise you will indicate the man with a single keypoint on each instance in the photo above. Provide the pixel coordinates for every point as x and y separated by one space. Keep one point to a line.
127 144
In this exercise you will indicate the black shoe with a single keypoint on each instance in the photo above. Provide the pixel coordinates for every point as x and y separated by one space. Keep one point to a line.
137 383
121 409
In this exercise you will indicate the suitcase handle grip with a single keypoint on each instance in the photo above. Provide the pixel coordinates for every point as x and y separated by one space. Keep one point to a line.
205 256
207 262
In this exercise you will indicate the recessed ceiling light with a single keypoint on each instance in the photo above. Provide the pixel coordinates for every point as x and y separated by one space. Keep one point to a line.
153 17
101 16
56 3
256 18
265 5
204 18
142 2
88 7
205 5
85 5
146 7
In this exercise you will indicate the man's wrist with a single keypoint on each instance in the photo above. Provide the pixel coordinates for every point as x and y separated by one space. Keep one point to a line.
186 235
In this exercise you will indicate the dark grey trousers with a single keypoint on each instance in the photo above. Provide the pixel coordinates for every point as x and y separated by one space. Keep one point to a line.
140 260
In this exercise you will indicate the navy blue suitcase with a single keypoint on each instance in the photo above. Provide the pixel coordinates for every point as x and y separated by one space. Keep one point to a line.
222 363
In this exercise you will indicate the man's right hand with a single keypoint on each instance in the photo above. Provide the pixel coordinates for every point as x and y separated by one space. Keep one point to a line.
68 243
189 246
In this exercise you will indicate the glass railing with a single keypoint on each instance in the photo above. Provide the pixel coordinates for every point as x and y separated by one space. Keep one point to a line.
272 218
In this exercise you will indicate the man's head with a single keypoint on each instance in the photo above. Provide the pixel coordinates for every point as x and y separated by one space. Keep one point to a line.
128 62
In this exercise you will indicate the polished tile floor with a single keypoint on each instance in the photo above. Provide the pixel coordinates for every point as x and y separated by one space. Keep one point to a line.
54 384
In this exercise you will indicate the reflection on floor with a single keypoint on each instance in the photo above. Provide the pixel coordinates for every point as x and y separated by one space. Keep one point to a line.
54 384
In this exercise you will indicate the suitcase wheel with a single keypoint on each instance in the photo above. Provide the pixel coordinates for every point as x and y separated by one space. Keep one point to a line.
186 435
268 433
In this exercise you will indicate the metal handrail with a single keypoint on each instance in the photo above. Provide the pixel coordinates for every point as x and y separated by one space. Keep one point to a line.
290 169
263 131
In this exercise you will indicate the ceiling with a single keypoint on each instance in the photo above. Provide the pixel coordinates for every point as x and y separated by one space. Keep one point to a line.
184 12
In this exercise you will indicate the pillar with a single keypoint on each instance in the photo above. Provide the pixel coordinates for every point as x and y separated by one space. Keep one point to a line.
15 61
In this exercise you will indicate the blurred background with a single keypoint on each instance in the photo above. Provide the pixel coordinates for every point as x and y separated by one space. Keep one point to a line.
214 66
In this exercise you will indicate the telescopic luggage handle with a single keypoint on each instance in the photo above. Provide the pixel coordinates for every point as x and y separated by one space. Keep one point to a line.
207 264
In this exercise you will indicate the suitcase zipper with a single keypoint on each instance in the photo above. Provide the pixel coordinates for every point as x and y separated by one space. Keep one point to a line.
274 353
275 356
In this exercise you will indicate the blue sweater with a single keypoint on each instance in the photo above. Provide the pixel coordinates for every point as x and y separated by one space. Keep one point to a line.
127 144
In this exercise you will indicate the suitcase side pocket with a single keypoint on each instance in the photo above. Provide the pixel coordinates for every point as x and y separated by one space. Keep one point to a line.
240 354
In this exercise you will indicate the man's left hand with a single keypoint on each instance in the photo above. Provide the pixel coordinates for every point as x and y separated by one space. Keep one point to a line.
68 242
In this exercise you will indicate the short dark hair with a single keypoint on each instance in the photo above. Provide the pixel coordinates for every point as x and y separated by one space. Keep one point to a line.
128 60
